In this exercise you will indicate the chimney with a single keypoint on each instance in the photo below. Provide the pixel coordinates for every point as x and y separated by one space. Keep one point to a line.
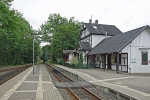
96 21
90 21
105 34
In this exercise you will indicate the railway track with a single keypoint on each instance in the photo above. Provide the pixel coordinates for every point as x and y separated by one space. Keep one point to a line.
7 74
79 93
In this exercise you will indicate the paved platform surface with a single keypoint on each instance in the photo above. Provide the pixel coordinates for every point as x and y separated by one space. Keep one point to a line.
137 86
29 86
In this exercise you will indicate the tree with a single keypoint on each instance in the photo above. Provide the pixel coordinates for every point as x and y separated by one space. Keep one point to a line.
15 36
45 54
61 33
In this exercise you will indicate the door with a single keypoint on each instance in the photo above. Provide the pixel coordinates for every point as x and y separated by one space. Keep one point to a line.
109 61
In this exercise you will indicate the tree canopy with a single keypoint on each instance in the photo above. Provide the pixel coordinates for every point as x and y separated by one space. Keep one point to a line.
61 33
46 54
16 43
15 36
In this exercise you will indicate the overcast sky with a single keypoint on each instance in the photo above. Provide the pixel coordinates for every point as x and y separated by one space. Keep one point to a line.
125 14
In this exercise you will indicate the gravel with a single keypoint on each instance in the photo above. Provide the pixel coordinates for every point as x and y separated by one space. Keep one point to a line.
82 94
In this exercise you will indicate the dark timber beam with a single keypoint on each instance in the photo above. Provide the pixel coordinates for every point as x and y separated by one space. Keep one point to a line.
117 63
87 61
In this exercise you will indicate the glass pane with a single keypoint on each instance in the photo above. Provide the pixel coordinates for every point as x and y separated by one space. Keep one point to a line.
123 61
144 57
126 61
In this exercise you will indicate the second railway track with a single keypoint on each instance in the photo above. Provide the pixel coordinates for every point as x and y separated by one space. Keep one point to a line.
7 74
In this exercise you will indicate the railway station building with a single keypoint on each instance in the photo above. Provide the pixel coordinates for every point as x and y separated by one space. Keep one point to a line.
105 46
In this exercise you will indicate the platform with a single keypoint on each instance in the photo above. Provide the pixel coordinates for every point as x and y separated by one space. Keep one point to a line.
136 86
29 86
38 86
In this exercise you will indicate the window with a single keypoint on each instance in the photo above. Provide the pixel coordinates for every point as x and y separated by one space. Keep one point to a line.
144 58
75 54
97 58
119 59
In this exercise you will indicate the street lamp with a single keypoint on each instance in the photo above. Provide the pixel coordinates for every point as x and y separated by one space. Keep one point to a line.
33 35
38 57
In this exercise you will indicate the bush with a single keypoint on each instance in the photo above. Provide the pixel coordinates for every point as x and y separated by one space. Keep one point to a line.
73 63
74 60
49 61
60 60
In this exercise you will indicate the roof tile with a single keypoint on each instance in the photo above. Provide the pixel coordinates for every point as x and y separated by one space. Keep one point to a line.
116 43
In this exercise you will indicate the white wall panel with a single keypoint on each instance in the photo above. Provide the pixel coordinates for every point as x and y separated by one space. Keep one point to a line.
134 49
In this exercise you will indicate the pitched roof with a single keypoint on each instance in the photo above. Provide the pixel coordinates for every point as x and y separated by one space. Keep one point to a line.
85 46
68 51
101 29
116 43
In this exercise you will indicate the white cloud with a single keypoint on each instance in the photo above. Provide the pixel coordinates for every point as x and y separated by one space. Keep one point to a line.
125 14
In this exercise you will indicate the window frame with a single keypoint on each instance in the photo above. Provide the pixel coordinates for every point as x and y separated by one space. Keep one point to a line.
115 60
142 62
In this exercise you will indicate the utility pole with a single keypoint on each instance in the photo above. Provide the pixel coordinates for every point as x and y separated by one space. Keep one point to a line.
33 35
33 53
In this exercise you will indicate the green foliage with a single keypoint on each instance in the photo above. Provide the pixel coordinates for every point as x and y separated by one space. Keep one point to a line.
15 37
45 54
7 2
74 60
81 57
60 61
61 33
50 61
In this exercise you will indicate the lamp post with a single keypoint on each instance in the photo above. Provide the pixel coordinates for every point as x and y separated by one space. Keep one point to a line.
38 57
33 35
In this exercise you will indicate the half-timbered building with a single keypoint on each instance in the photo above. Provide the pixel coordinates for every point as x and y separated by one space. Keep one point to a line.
105 46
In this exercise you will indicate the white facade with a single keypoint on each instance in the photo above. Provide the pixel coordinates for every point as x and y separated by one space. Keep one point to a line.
93 40
134 49
130 57
71 55
96 39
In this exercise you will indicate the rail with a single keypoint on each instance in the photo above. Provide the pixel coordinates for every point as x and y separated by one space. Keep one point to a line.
74 92
10 73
